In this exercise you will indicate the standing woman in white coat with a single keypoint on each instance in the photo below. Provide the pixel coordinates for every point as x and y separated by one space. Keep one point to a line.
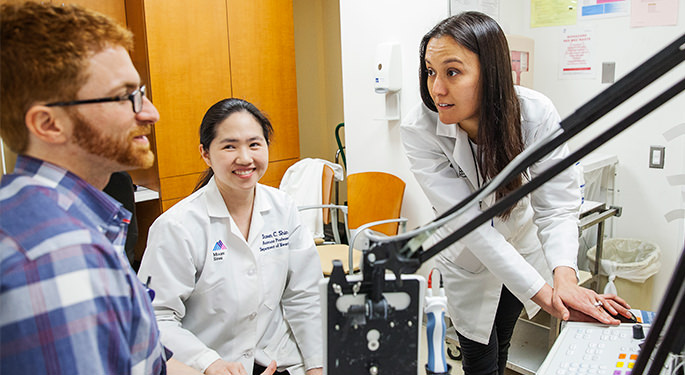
471 124
234 270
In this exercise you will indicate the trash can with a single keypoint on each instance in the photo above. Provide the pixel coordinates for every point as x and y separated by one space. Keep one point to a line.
628 264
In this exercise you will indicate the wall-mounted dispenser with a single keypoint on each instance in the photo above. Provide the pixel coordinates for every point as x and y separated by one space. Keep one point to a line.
388 78
388 73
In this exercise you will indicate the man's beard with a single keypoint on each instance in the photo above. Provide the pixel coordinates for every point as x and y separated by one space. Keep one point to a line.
121 149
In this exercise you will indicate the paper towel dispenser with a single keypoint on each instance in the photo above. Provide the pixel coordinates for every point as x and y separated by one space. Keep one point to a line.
388 68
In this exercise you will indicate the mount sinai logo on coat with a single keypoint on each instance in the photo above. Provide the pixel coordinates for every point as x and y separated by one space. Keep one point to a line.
219 251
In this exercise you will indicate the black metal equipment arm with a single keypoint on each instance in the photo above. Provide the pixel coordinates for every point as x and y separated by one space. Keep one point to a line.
672 324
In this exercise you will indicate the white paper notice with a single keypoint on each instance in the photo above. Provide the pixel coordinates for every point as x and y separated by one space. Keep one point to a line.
489 7
576 59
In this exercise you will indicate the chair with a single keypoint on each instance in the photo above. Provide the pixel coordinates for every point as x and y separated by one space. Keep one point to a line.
327 179
374 196
121 188
374 201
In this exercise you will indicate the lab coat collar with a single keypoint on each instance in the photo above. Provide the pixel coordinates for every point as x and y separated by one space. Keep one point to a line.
215 202
462 151
260 208
217 208
446 130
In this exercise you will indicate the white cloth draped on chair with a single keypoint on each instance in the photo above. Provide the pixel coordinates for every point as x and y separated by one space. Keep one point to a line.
303 181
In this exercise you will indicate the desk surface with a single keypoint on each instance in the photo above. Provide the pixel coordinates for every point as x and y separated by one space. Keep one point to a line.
328 253
144 194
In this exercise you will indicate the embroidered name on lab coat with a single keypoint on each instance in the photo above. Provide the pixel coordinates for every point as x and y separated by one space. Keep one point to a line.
274 240
218 251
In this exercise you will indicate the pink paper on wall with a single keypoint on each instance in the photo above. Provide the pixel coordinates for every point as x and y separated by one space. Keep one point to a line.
653 13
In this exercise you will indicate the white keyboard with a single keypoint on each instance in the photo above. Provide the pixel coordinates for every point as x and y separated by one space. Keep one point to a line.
592 348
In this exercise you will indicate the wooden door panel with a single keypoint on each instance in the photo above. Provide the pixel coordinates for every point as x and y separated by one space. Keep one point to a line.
113 8
189 71
179 187
263 66
166 204
275 172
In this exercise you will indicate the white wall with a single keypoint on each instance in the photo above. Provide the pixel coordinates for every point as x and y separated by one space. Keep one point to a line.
644 193
374 145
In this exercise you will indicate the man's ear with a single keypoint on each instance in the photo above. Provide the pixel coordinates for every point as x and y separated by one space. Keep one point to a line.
44 124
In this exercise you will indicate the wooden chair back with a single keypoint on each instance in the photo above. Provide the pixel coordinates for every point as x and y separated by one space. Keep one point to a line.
326 189
373 196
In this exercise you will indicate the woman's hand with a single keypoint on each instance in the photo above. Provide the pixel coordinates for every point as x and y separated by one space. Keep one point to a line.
600 307
270 369
315 371
221 367
174 367
544 298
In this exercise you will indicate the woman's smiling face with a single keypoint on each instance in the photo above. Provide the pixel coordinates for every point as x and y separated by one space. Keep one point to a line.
239 153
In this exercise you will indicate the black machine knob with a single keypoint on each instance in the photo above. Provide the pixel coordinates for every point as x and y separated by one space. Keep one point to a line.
638 333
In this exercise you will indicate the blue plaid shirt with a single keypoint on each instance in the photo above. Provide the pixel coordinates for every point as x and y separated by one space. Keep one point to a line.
69 301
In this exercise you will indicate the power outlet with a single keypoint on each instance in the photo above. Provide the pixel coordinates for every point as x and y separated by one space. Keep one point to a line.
656 156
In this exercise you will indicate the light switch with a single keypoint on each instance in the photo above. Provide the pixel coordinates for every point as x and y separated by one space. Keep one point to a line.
608 72
656 156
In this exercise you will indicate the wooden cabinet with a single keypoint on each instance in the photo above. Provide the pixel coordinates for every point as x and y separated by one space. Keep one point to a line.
262 48
193 56
113 8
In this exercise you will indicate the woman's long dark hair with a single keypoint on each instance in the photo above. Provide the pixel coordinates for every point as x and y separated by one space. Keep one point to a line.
219 112
499 125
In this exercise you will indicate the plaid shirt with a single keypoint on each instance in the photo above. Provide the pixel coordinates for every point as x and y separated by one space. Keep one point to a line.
69 301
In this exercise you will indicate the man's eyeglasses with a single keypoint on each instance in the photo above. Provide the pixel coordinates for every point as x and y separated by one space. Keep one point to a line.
135 97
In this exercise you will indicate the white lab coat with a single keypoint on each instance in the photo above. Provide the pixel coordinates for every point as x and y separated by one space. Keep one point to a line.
540 235
303 182
219 296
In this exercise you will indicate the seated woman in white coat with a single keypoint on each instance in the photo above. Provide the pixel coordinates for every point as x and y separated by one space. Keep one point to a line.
234 270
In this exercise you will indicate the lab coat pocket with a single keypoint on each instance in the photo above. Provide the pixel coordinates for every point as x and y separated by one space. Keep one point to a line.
274 276
464 259
283 349
213 297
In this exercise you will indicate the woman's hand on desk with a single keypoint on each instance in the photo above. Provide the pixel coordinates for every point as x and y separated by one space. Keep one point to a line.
621 311
579 300
544 299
